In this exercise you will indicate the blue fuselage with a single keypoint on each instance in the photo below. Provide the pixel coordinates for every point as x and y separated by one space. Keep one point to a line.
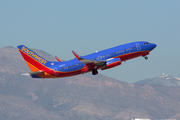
124 52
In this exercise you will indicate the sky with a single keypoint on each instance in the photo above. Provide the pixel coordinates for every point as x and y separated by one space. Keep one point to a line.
58 27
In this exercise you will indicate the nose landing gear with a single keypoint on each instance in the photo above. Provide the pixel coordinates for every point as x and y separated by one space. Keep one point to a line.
146 58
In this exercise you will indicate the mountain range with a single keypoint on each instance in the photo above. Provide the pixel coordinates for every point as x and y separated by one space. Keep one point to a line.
164 80
82 97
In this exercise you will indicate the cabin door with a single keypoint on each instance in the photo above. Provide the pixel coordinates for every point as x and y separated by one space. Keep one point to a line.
138 46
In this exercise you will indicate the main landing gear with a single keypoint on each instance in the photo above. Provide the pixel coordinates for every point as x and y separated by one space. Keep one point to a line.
95 72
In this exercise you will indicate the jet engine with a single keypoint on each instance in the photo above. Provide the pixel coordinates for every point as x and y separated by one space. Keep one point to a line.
111 63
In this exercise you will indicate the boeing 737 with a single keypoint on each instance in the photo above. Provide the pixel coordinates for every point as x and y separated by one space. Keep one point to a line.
105 59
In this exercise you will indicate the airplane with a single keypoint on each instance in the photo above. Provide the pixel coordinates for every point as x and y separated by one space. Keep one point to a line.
105 59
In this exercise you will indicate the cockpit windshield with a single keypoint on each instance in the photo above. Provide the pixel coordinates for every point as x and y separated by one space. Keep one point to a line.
146 43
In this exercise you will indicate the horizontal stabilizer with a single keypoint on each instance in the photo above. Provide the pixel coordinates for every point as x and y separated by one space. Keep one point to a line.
36 73
25 74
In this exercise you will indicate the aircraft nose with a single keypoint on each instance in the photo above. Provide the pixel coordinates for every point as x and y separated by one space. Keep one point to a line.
153 46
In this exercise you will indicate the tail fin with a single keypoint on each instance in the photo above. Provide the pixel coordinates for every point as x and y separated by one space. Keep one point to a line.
34 61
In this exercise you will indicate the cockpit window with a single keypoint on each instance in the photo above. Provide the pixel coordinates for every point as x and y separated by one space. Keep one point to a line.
146 43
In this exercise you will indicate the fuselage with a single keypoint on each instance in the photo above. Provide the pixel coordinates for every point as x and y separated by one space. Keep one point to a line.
124 52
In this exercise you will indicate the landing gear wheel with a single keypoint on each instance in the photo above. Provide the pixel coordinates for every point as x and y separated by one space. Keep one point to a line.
95 72
146 58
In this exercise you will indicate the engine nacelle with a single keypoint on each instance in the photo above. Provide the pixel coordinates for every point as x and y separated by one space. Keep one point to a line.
112 63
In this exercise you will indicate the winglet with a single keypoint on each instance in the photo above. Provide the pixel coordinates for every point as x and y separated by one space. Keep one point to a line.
76 55
57 59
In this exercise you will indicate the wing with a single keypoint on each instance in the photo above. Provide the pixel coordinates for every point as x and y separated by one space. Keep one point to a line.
89 62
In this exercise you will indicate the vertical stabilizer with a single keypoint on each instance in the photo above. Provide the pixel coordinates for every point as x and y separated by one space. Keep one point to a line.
33 60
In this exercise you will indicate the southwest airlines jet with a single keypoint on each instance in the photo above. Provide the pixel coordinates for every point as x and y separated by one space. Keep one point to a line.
105 59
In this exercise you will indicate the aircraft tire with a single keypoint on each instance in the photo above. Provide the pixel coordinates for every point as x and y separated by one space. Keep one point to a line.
146 58
95 72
